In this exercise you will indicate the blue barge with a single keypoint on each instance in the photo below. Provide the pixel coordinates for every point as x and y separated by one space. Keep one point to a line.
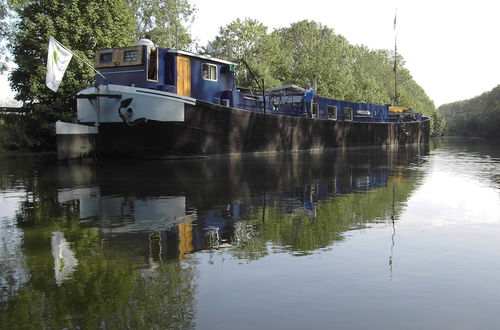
175 104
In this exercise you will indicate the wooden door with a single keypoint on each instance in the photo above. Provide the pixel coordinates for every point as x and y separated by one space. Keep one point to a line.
183 76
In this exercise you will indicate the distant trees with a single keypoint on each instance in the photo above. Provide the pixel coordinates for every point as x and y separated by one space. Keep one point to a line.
479 116
308 50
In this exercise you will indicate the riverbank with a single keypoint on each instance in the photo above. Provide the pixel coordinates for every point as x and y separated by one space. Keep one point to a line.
27 132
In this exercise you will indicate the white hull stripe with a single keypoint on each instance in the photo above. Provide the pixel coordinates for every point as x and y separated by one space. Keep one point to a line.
170 96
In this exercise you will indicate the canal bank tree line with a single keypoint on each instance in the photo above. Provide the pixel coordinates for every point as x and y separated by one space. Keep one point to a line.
297 54
307 51
478 116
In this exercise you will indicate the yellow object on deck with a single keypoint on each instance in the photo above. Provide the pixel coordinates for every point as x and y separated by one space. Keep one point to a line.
398 109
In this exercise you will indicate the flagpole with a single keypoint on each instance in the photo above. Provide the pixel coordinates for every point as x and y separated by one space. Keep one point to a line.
81 59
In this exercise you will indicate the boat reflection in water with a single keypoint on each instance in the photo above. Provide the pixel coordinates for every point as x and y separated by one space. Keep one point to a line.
298 202
121 244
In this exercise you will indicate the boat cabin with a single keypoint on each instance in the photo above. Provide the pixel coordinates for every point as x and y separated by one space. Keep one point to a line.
175 71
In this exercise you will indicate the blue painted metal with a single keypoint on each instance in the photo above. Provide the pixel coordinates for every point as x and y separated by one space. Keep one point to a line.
207 90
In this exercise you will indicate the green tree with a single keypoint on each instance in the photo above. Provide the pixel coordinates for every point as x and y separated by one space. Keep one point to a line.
81 25
238 41
5 28
312 50
166 20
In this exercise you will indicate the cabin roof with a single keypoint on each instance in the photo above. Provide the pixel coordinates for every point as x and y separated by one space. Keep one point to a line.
204 57
171 51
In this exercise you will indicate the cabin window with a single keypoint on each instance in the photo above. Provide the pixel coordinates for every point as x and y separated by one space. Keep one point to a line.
130 56
347 114
332 112
209 71
125 56
106 58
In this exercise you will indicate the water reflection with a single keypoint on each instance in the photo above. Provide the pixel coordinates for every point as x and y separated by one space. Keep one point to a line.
462 185
13 271
298 202
475 159
109 245
332 239
64 258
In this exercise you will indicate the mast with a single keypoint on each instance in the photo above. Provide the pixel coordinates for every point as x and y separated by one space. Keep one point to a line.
395 68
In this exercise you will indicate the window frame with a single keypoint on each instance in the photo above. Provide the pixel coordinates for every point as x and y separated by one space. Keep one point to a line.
351 114
106 55
332 109
203 71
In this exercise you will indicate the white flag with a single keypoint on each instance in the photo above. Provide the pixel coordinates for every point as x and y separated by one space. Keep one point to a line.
58 58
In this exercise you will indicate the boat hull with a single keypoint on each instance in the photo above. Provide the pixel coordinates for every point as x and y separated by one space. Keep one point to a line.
210 129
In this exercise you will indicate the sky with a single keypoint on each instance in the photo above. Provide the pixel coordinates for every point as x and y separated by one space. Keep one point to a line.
450 47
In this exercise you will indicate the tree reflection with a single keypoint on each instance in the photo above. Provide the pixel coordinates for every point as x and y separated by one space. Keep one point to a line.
106 288
104 291
302 233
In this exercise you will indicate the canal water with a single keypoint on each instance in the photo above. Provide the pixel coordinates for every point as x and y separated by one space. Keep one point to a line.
358 239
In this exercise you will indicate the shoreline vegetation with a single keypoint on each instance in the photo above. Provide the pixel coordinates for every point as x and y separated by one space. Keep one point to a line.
475 117
296 54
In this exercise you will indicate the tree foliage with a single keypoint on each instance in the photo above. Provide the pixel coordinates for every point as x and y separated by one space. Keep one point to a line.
238 42
4 33
308 50
479 116
238 39
82 26
165 20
